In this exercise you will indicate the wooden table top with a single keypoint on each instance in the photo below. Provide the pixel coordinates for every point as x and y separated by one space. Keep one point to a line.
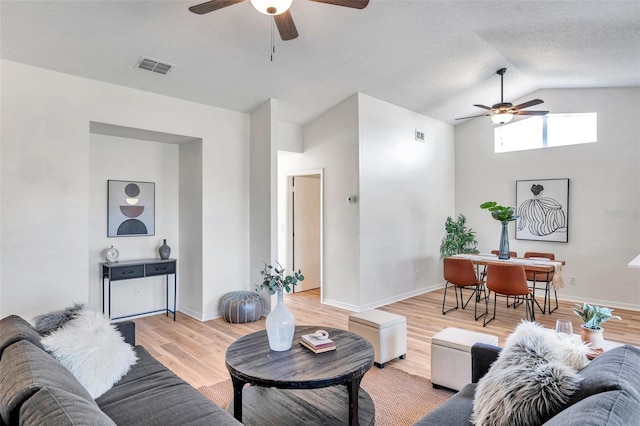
251 360
530 264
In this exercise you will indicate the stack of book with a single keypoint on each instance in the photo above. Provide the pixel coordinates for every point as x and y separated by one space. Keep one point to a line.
317 344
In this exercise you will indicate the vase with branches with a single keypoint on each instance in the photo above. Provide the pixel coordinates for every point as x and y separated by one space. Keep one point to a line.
505 215
280 322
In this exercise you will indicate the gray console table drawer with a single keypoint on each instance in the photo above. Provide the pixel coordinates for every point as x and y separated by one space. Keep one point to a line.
161 268
127 272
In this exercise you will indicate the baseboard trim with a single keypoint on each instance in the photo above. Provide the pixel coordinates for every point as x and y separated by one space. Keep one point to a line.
341 305
398 298
599 302
199 315
383 302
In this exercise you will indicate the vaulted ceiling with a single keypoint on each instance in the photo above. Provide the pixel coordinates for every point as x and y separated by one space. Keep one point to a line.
437 58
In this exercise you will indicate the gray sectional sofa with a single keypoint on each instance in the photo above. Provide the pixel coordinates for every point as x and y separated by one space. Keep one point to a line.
35 389
609 393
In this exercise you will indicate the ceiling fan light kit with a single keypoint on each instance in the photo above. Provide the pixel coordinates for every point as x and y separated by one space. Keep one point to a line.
502 118
272 7
279 9
503 112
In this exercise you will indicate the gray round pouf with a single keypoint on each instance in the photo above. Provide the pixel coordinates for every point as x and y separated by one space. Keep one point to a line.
239 307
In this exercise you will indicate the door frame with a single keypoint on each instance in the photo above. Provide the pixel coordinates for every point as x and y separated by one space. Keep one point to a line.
289 223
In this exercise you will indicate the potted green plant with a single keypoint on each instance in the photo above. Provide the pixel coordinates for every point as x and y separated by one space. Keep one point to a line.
459 238
504 215
593 317
280 322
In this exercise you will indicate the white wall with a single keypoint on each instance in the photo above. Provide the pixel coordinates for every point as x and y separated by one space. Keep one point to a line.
45 184
385 247
604 193
263 189
406 193
331 142
117 158
191 268
290 137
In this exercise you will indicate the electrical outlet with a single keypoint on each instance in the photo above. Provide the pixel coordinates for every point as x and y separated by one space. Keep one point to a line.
572 280
138 291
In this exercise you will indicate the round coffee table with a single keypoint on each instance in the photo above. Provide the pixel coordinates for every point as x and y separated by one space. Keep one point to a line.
293 372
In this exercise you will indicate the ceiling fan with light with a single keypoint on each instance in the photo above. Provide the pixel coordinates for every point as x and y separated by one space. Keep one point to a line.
503 112
279 9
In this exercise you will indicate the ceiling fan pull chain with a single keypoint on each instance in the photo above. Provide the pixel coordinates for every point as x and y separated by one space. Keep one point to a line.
273 44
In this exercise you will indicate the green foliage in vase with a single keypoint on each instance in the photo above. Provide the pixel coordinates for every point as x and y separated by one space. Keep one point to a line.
273 279
501 213
459 239
593 316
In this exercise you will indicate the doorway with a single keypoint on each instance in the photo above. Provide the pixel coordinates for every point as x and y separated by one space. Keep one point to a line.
304 248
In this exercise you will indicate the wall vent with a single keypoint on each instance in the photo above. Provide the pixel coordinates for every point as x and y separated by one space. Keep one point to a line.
419 136
154 65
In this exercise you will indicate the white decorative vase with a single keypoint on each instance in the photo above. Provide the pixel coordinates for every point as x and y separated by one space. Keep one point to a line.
593 337
280 326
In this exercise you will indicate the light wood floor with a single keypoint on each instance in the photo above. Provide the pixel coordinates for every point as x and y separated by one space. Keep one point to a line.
195 350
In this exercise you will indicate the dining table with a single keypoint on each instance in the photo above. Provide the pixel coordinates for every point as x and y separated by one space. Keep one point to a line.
537 265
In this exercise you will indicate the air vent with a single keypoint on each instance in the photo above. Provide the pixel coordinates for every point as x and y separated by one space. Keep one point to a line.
419 136
154 65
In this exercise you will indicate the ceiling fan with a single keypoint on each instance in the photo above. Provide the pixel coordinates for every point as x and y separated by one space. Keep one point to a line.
503 112
279 9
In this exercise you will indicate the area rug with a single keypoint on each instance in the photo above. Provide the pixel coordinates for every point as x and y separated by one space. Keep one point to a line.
399 398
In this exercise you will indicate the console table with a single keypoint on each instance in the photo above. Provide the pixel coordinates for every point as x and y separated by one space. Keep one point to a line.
142 268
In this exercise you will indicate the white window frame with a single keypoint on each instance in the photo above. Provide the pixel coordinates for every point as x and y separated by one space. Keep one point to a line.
507 140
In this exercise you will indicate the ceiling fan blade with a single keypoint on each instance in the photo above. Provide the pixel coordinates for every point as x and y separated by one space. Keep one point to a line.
482 106
355 4
530 112
286 27
474 116
212 5
529 104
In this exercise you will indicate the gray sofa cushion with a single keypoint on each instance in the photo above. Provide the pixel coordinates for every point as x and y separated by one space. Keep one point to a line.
613 370
150 394
24 369
13 329
51 406
456 411
612 408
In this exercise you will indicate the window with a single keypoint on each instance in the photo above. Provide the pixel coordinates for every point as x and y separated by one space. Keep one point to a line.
545 132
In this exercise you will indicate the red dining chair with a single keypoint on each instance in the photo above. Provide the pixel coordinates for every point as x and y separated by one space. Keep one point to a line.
461 274
517 300
542 277
511 281
497 252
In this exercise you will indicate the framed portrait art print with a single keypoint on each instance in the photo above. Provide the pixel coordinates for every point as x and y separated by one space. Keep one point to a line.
543 207
130 208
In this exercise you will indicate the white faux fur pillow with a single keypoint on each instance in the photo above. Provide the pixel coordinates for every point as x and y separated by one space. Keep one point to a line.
532 379
93 350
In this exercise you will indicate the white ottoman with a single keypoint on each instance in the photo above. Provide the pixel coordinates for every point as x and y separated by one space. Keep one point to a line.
451 356
387 333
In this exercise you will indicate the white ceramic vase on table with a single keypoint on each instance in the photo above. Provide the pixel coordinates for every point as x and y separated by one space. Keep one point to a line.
281 324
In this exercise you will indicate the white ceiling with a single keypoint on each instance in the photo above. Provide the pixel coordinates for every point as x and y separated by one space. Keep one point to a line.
437 58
